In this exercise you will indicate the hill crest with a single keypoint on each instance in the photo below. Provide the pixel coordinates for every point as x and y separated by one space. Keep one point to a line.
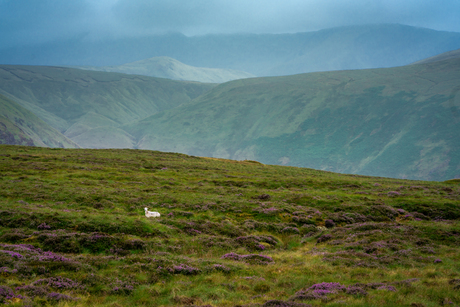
166 67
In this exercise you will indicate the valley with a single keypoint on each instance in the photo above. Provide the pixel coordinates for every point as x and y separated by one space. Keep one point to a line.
396 122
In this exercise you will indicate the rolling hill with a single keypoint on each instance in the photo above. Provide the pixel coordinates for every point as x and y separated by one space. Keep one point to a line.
454 54
165 67
396 122
88 106
352 47
18 126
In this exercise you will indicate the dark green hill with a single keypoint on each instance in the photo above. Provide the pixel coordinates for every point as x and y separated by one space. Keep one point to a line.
396 122
352 47
75 101
19 126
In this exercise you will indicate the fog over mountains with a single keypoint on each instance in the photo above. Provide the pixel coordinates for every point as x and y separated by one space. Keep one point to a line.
351 47
399 121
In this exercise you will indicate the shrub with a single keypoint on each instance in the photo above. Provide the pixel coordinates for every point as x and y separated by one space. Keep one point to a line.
324 238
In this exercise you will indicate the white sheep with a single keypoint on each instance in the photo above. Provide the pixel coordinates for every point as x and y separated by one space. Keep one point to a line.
151 213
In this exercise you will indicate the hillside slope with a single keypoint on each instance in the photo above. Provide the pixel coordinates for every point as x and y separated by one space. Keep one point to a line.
454 54
19 126
165 67
74 233
353 47
395 122
75 101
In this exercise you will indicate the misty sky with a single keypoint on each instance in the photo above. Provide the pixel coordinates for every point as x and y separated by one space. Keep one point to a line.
31 21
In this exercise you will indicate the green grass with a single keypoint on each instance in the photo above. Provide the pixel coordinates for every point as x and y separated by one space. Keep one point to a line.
87 206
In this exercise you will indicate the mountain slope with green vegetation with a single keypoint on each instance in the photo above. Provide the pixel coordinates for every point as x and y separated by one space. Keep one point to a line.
19 126
166 67
75 101
73 233
394 122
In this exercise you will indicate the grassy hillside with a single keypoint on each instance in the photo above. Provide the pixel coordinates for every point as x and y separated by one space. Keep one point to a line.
75 101
19 126
396 122
73 233
454 54
165 67
354 47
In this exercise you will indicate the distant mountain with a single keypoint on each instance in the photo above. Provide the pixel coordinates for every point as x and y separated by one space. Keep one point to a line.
398 122
165 67
395 122
89 106
19 126
454 54
353 47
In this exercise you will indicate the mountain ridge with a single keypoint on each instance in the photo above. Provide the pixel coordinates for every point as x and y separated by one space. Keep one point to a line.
75 101
352 47
166 67
19 126
373 122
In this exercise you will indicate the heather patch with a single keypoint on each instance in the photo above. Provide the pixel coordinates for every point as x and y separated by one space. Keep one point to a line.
27 259
250 259
376 245
256 242
73 232
327 291
279 303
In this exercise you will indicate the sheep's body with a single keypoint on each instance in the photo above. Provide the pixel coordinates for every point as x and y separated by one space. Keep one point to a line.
151 213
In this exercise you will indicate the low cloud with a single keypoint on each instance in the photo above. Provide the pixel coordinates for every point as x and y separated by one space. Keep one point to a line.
29 21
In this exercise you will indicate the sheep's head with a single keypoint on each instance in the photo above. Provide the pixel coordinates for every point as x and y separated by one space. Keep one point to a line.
146 209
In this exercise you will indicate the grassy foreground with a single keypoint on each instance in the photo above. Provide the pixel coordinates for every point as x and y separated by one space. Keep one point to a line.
73 233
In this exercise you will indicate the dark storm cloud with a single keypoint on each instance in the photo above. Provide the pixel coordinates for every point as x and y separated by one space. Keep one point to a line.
38 20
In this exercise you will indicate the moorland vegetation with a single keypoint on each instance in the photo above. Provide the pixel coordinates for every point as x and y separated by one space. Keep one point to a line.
231 233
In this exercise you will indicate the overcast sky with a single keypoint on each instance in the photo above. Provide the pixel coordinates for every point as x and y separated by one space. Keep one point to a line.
23 21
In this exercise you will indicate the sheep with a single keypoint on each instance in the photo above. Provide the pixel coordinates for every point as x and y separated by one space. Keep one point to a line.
151 213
